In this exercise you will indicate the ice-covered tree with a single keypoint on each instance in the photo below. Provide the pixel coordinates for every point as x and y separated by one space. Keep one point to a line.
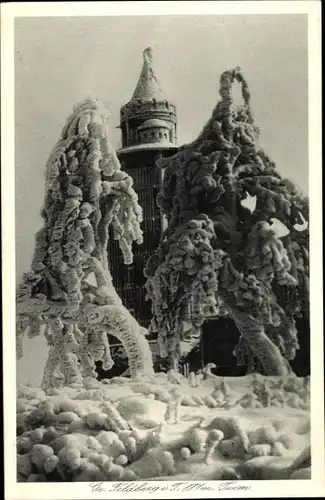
222 252
68 291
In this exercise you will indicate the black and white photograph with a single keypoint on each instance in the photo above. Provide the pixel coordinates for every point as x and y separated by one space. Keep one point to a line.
166 248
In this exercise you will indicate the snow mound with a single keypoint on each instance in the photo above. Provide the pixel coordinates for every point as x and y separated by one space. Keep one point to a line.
162 427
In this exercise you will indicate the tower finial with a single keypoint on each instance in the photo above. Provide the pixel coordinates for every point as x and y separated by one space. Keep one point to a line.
148 86
147 55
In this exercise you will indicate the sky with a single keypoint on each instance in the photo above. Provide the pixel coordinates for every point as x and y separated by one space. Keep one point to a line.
60 61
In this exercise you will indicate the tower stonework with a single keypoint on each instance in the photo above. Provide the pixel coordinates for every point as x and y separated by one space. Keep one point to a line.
148 125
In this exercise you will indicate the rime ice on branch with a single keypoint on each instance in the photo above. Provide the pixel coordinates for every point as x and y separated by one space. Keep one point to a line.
86 191
219 253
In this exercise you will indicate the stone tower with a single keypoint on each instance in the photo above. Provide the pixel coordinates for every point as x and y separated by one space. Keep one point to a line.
149 131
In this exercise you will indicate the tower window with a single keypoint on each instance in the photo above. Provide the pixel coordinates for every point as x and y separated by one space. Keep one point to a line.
160 135
165 135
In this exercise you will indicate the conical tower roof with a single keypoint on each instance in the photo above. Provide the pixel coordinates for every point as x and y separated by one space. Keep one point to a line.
148 120
148 87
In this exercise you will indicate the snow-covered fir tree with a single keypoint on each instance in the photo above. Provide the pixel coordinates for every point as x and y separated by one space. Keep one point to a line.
222 252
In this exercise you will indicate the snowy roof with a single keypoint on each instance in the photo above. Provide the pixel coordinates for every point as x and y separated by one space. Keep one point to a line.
148 87
154 122
148 146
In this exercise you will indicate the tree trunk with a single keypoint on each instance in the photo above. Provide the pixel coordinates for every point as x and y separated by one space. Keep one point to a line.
262 347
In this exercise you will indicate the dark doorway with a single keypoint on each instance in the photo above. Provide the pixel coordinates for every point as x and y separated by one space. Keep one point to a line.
219 338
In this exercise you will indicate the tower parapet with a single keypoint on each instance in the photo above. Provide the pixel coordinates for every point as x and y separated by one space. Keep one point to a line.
149 119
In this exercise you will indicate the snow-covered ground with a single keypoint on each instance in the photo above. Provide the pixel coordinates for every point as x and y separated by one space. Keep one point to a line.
165 426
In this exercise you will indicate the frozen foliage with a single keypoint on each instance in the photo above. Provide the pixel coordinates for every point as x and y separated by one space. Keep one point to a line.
119 432
222 251
86 192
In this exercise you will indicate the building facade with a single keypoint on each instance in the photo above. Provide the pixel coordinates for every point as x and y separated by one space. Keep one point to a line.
148 124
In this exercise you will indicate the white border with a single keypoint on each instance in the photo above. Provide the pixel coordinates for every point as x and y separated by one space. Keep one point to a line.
21 491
